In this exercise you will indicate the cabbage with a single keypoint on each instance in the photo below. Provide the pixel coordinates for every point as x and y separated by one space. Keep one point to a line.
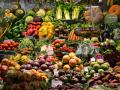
48 18
29 19
41 12
49 13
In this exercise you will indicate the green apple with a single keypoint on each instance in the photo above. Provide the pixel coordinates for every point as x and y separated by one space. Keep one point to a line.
93 63
104 66
100 70
96 66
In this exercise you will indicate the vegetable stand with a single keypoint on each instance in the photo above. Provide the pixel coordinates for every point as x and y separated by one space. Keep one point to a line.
59 45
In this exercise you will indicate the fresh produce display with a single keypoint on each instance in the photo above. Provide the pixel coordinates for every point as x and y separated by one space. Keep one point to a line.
32 29
16 30
71 61
109 79
9 45
24 80
73 37
46 30
22 59
42 63
68 11
59 45
98 66
69 76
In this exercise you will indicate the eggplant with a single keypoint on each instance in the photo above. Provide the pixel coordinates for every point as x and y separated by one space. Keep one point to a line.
37 19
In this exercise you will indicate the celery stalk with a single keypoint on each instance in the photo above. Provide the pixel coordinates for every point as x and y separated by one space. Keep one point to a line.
75 12
66 14
59 12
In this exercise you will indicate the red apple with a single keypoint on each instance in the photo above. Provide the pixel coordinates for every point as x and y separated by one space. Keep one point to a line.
4 67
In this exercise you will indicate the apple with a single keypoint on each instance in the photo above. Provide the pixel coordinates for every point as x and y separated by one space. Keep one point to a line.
4 67
65 58
66 67
72 54
93 63
81 66
50 59
78 60
77 69
72 62
100 61
59 64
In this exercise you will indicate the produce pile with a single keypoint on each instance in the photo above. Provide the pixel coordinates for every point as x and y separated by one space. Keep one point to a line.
62 45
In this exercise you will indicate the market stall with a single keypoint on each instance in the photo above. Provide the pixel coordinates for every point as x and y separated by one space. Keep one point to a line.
59 45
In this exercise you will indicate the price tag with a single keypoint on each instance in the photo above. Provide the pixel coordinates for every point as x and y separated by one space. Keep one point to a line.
92 59
50 50
55 83
44 48
56 72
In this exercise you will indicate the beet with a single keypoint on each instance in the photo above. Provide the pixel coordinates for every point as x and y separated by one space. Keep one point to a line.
36 64
42 61
44 67
28 66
